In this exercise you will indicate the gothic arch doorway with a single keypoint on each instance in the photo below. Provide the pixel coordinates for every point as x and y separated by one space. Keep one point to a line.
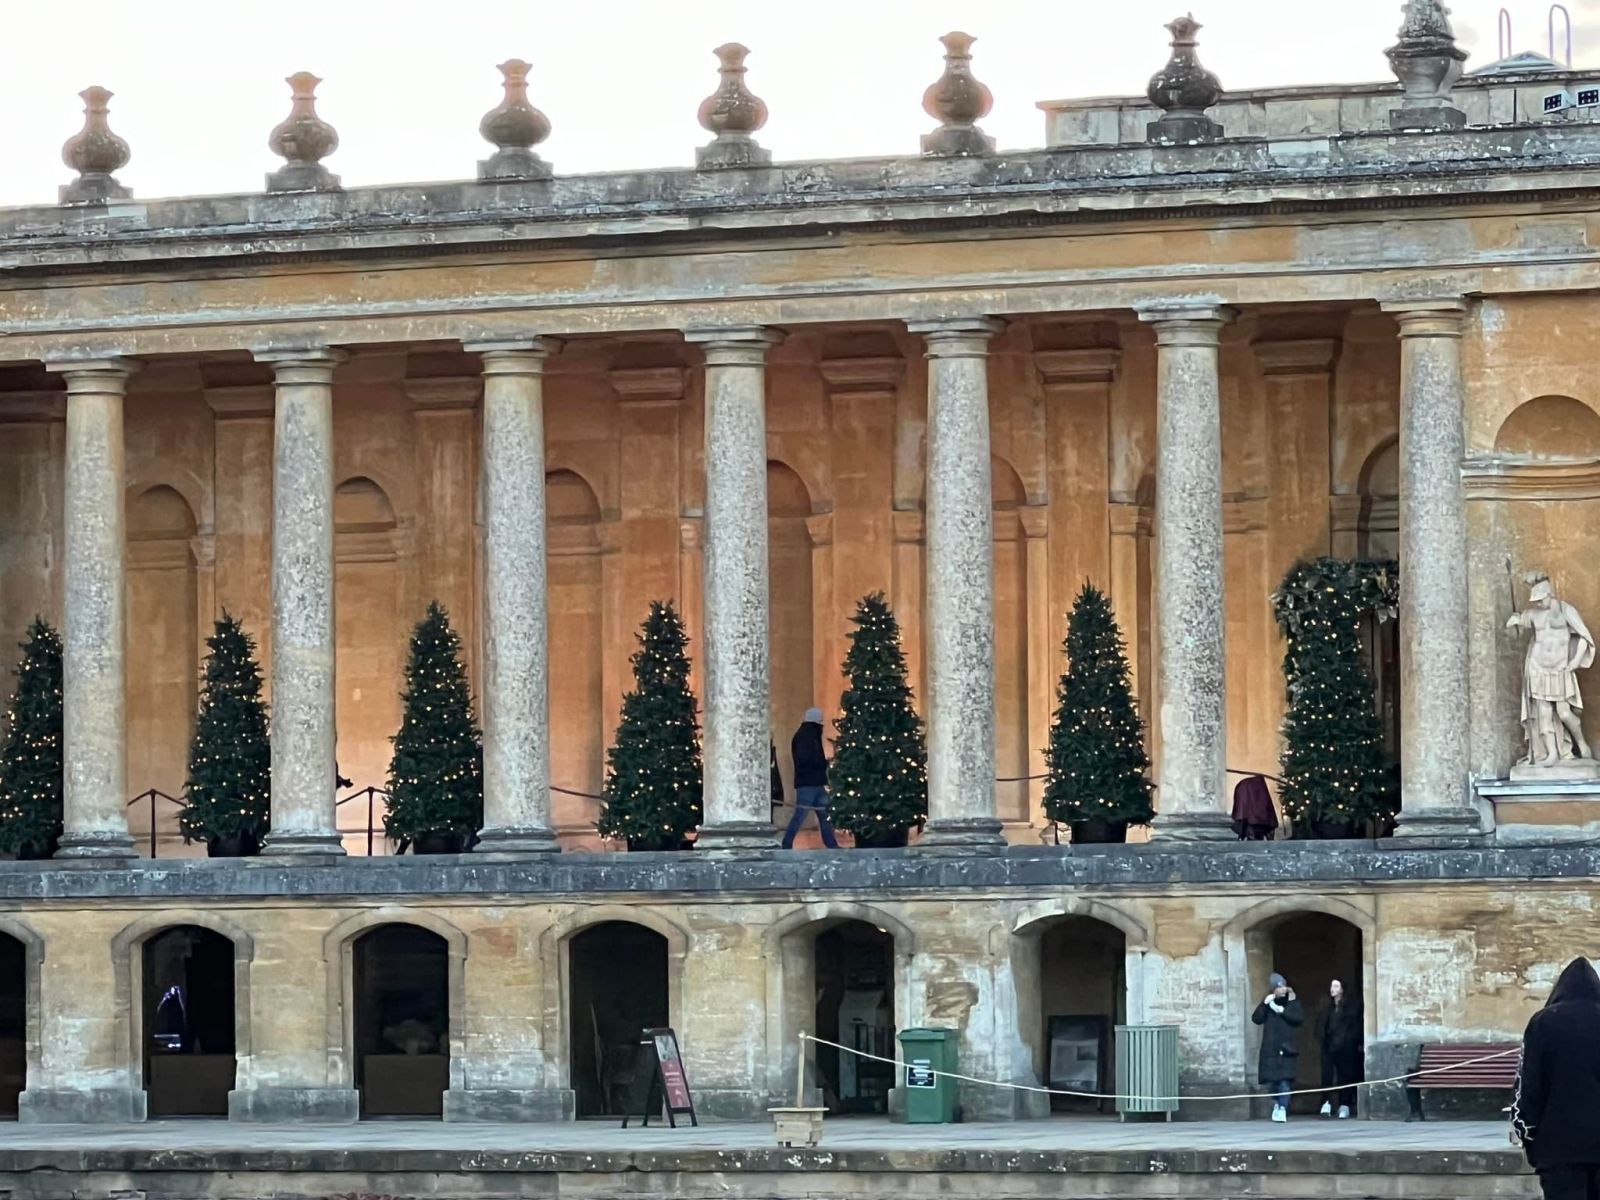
1072 993
188 1022
400 986
617 987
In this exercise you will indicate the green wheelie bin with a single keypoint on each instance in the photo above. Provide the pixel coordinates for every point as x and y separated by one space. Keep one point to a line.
930 1097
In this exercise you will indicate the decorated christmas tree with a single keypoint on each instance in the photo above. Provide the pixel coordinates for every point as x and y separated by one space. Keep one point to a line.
878 781
653 777
30 762
1098 779
1337 781
436 774
230 759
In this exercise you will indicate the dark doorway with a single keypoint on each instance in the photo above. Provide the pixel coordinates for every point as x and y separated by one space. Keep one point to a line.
1083 998
855 1007
187 1007
13 1024
618 973
402 1021
1311 950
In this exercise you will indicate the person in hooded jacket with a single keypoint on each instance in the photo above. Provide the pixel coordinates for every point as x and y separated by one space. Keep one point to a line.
1340 1033
1556 1112
810 780
1280 1017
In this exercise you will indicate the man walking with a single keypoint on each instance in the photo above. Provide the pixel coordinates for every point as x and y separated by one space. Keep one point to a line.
1556 1113
810 781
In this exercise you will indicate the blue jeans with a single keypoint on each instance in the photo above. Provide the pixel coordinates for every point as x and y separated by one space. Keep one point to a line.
810 800
1280 1092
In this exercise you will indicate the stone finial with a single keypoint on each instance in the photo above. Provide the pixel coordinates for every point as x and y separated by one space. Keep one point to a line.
1183 90
304 140
957 100
515 127
1427 62
733 114
95 153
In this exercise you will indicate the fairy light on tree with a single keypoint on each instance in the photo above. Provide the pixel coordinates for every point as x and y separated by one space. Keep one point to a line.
30 761
1336 777
653 771
878 780
436 773
229 789
1098 772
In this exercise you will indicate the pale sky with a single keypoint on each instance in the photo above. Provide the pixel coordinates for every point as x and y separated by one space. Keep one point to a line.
198 83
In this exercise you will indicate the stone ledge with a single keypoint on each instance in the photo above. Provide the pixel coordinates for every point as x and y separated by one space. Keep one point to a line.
770 873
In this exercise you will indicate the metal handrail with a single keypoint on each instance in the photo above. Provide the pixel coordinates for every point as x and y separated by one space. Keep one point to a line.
152 795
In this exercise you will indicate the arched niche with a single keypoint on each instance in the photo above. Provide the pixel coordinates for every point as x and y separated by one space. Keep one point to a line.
1554 428
576 612
1011 585
792 612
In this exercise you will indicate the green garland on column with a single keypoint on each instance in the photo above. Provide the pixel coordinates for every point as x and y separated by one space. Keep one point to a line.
30 762
1334 768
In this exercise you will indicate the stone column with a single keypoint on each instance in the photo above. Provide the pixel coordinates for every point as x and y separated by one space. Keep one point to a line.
516 669
1434 707
959 619
304 820
1189 574
93 669
738 807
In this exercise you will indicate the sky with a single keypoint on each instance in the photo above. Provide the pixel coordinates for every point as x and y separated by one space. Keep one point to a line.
199 84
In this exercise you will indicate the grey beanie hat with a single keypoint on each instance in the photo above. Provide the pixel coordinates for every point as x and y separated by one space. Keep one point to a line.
814 716
1276 981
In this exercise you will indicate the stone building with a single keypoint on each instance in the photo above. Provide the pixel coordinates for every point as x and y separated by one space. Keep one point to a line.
1191 341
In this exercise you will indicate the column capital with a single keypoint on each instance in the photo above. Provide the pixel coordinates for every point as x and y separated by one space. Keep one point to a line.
957 337
735 345
1439 317
95 376
513 356
308 364
1296 356
1182 323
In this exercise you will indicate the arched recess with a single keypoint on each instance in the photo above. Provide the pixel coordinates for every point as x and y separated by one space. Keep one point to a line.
1377 535
790 590
1310 940
164 619
576 614
555 961
1078 967
338 956
129 984
1011 743
1554 428
373 616
21 964
789 949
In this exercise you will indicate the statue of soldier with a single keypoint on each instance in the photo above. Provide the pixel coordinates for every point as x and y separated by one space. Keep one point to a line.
1551 701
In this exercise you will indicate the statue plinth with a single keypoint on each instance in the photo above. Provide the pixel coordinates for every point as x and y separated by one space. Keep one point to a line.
1568 770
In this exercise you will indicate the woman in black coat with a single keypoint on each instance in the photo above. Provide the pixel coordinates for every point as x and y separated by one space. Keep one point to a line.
1556 1112
1340 1034
1280 1018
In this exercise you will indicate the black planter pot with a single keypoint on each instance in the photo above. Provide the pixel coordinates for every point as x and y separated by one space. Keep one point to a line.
32 853
1099 833
439 842
237 845
638 848
1332 831
888 839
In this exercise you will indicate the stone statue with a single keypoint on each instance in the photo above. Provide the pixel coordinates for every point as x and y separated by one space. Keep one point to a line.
1551 702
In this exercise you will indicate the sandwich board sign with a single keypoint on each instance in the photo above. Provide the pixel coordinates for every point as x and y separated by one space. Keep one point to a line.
660 1081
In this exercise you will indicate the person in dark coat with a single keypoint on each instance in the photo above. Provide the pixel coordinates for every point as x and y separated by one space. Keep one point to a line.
1340 1034
1556 1111
810 781
1280 1018
1254 817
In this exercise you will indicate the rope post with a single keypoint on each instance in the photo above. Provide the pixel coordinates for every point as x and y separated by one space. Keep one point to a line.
800 1075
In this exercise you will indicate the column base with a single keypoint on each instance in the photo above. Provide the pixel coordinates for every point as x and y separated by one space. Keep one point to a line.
518 840
970 835
331 1106
510 1104
1186 829
738 835
96 844
87 1106
302 844
1436 827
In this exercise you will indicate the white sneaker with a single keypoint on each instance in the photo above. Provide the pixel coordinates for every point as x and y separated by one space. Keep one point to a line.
1280 1113
1327 1108
1344 1112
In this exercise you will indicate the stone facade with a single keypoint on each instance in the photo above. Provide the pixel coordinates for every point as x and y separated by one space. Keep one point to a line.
971 381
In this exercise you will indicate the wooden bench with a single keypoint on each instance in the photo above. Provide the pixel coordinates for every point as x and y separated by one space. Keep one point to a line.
1441 1066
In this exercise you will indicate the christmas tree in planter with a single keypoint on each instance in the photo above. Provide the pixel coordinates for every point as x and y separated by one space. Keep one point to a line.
436 774
230 760
653 774
1337 781
878 780
30 762
1098 778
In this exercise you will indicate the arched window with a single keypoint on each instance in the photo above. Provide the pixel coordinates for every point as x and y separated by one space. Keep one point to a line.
578 720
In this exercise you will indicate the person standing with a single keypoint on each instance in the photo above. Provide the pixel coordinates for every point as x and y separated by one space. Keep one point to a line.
1340 1034
1280 1018
1556 1109
810 780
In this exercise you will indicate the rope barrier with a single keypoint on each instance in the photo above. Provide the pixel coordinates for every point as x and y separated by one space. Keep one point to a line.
1025 1087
